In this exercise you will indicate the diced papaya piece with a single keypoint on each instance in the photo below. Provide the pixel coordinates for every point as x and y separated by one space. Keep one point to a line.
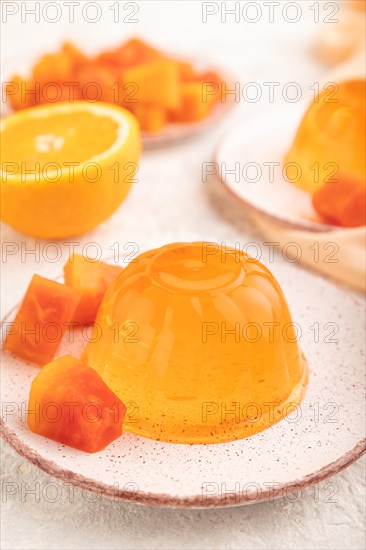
209 77
152 118
213 86
56 67
342 202
77 57
133 52
16 92
109 59
186 71
90 280
71 404
110 86
96 82
44 315
156 83
196 104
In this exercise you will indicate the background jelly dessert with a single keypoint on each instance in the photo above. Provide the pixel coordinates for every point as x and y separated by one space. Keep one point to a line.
331 137
197 341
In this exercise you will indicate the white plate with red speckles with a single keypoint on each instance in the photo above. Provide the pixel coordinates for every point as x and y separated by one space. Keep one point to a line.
325 435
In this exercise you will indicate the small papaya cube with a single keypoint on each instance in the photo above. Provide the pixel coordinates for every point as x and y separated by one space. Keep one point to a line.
213 85
195 105
342 202
45 313
155 83
71 404
108 58
152 118
97 83
90 280
56 67
15 91
110 86
209 77
135 52
77 57
186 71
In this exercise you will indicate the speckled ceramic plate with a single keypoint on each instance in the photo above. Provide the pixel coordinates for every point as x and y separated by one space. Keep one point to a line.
20 64
250 166
324 435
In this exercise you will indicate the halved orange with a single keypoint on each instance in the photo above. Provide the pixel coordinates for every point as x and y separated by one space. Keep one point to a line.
66 167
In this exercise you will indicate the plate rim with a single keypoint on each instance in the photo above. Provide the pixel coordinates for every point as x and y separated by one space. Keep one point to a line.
165 500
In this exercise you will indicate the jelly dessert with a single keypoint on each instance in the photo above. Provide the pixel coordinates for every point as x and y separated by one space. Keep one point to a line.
331 138
197 340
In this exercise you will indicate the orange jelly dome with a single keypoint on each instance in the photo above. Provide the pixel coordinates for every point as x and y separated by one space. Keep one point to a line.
197 341
330 138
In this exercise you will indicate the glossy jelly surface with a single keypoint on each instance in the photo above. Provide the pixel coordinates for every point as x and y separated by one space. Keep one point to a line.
197 340
330 138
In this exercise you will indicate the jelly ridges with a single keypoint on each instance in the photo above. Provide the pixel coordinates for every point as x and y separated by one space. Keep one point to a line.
198 342
331 138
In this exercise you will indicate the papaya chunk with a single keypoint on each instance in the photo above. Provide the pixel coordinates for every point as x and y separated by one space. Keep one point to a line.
45 314
90 280
56 67
133 52
186 71
152 118
156 83
77 57
15 91
196 104
342 202
214 88
97 83
71 404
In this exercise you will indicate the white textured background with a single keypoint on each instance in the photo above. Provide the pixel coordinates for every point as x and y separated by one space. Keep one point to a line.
170 202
